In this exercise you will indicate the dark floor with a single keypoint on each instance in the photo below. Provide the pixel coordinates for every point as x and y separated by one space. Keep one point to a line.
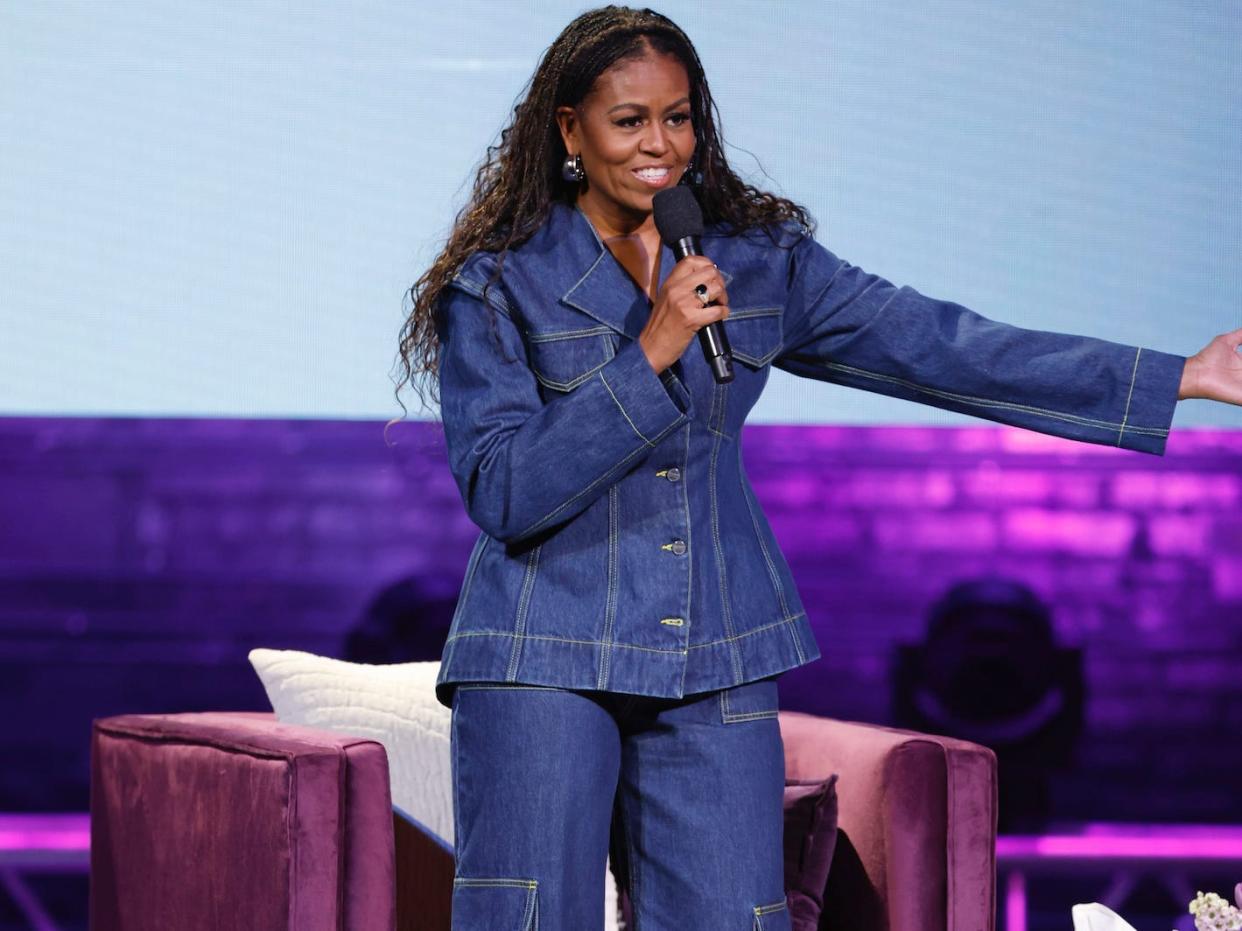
1149 908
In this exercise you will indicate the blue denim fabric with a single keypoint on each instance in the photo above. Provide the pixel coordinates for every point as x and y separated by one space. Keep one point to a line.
693 787
623 547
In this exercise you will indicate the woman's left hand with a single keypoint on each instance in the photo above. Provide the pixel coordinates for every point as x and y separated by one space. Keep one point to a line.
1215 371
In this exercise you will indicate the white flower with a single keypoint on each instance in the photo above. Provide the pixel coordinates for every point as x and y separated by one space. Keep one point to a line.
1213 913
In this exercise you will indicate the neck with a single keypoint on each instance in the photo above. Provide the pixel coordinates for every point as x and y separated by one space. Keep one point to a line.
610 220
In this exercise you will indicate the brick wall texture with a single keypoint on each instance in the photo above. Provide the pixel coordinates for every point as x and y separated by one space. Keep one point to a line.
140 559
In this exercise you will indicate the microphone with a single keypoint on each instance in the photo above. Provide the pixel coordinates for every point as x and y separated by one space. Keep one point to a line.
680 222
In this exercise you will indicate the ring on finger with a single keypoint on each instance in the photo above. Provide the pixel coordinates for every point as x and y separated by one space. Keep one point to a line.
701 291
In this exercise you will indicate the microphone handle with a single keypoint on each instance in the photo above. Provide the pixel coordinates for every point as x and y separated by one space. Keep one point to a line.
712 335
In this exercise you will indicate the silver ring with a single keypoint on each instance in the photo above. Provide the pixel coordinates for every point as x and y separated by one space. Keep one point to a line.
701 291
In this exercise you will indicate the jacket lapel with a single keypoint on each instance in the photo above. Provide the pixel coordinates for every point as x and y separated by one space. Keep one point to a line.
568 254
605 291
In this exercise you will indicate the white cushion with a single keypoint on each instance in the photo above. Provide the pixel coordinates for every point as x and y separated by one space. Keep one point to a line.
394 704
1092 916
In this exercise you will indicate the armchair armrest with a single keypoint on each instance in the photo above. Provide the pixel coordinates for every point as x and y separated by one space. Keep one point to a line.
231 819
916 843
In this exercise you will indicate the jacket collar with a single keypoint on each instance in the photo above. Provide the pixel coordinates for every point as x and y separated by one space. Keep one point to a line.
567 254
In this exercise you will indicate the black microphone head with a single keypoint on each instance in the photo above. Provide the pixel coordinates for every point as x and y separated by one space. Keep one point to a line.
677 213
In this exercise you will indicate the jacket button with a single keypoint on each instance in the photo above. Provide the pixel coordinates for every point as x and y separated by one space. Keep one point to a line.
673 474
678 547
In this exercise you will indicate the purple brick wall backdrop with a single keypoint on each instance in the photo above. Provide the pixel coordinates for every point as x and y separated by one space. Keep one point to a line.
141 559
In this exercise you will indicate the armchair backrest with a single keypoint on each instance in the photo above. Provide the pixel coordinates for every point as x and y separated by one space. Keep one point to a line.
916 842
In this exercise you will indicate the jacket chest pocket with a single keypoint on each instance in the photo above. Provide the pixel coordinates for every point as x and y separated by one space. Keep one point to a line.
754 334
565 359
755 339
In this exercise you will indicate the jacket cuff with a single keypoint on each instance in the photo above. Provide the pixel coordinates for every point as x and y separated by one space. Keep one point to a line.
1152 400
652 404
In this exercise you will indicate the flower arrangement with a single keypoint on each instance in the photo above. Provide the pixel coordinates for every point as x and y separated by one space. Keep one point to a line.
1213 913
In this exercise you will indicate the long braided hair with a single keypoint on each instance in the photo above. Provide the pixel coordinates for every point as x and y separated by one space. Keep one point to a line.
521 177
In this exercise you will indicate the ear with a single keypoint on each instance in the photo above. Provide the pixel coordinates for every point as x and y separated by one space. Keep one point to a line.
567 121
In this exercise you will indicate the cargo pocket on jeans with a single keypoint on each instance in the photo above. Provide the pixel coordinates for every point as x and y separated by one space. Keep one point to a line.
495 904
749 701
774 917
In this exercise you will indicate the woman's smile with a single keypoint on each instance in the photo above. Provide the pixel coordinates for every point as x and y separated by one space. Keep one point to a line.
654 176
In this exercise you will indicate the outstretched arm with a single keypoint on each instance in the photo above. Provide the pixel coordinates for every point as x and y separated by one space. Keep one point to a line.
850 327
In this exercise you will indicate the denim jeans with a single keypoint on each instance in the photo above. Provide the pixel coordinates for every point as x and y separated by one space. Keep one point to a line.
686 793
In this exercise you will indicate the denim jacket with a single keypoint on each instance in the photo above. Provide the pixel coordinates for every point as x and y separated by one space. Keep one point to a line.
622 546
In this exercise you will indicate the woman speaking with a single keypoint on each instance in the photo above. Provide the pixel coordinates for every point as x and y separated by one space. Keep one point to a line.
612 663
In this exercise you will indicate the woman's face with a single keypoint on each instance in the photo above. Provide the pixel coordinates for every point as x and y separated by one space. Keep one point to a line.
634 134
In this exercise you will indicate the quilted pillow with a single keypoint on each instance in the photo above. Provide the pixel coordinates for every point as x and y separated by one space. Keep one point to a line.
810 839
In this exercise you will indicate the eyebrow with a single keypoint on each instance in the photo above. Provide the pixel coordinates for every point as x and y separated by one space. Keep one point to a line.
639 106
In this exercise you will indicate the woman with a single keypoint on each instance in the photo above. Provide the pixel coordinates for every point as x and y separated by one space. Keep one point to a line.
626 610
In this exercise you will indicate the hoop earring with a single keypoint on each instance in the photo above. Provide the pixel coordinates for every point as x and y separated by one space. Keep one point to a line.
572 170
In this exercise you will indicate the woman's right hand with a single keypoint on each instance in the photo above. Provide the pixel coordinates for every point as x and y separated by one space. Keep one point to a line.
678 313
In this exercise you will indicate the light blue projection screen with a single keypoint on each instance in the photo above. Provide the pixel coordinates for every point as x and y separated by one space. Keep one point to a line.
214 209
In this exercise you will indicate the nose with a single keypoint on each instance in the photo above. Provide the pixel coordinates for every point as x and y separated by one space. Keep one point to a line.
654 141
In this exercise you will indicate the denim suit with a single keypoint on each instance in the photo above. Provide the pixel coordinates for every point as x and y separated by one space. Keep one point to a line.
622 546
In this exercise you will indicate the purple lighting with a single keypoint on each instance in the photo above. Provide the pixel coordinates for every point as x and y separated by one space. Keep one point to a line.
1127 842
42 840
1015 901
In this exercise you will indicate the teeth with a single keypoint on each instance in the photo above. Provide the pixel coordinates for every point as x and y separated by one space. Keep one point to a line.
651 174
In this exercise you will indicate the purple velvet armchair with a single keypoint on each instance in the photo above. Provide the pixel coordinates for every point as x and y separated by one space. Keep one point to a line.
233 820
